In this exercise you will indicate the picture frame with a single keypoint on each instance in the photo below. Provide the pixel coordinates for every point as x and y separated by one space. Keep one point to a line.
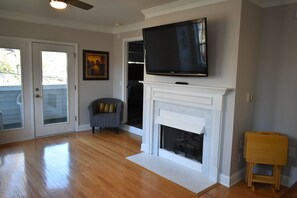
95 65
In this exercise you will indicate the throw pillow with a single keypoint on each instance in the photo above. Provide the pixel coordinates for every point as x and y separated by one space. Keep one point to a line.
107 108
112 108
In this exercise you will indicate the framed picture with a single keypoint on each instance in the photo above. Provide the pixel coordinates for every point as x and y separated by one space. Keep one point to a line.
95 65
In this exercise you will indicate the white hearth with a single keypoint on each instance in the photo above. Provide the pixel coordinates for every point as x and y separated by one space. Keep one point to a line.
196 109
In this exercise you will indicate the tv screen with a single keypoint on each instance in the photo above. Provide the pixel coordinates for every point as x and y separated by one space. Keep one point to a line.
178 49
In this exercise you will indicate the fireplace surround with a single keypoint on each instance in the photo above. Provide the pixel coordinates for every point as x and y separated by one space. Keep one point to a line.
192 108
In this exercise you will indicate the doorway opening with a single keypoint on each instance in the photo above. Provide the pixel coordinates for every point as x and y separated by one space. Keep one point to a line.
134 87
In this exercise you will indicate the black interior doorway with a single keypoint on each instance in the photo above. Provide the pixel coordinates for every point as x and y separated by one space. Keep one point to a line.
134 88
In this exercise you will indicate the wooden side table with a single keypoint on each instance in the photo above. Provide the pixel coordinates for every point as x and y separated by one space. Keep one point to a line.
268 148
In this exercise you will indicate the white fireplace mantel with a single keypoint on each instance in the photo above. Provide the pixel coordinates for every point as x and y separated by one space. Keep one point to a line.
189 96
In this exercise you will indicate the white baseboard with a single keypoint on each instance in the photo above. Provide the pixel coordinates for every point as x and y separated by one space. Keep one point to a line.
125 127
84 127
285 180
144 148
132 129
238 176
224 180
293 176
230 181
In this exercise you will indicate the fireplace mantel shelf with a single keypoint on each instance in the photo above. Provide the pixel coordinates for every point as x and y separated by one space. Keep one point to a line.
201 88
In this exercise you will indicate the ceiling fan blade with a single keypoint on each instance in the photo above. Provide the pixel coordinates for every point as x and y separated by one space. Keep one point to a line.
80 4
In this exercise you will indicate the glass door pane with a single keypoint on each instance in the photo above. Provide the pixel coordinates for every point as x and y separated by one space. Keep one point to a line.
54 87
11 108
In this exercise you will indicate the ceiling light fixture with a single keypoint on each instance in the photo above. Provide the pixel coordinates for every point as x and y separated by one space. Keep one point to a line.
58 4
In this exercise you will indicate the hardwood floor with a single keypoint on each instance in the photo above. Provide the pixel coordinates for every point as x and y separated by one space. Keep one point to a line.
86 165
240 190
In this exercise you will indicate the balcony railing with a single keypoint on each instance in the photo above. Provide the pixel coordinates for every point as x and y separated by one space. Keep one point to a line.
54 105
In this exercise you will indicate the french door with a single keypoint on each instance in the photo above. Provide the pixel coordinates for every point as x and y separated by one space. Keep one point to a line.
54 88
16 107
37 89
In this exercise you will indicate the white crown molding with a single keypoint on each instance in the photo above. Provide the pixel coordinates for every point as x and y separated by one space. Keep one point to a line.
179 5
49 21
272 3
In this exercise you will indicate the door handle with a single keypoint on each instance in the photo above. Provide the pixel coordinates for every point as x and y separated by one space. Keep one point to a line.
37 96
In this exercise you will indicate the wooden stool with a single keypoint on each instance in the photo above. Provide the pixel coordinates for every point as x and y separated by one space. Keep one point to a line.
265 148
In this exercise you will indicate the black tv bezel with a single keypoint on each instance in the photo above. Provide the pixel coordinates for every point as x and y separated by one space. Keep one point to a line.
177 73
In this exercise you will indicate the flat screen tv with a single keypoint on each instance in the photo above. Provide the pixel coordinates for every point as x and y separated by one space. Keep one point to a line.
178 49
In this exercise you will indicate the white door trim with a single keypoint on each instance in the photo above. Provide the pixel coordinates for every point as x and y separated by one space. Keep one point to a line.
8 136
75 71
125 73
42 129
27 130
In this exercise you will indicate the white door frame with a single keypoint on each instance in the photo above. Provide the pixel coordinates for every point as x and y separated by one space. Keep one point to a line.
75 45
42 129
28 130
126 127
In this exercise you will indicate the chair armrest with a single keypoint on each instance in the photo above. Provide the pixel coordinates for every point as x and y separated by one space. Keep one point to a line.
93 108
119 112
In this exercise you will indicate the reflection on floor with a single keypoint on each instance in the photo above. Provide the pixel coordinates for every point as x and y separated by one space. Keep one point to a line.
80 165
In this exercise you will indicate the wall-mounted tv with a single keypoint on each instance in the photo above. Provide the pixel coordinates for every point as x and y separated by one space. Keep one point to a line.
178 49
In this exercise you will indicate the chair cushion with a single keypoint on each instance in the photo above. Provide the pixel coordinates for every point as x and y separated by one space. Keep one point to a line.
107 108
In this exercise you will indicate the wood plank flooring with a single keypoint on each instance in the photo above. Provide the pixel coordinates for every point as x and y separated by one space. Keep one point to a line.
86 165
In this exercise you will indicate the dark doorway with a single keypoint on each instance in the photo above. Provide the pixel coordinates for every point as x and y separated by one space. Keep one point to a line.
134 88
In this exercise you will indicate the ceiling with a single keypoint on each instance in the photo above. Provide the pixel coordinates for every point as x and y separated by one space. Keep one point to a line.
105 16
106 13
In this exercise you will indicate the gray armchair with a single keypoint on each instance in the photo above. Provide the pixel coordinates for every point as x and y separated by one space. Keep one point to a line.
102 119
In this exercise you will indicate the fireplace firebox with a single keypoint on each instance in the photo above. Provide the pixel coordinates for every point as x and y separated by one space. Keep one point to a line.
183 143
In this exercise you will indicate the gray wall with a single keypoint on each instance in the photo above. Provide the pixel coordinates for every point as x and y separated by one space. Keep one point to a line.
276 95
88 90
246 78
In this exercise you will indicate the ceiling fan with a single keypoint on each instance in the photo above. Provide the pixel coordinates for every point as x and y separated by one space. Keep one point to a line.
61 4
